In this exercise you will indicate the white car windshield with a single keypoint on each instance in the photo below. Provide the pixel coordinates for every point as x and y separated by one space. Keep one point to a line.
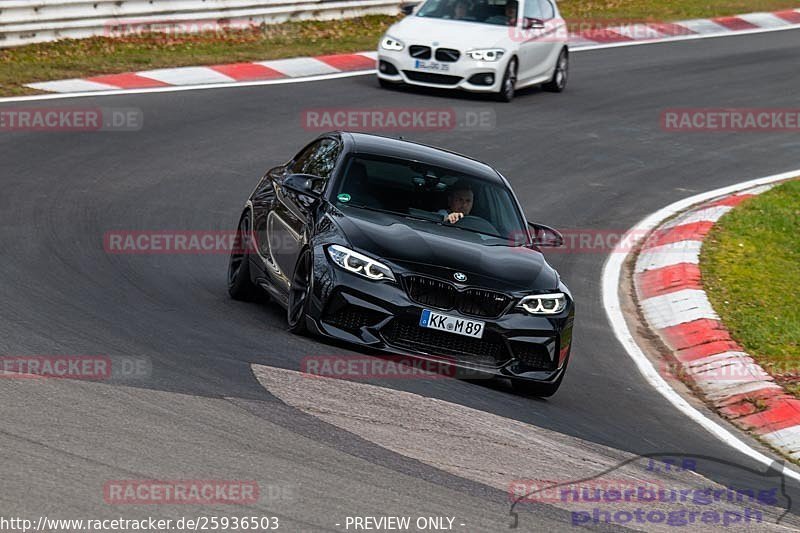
496 12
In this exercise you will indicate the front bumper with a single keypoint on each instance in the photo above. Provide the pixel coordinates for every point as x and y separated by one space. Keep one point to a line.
382 316
460 74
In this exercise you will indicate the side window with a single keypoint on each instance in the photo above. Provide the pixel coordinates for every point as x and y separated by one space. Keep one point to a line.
317 159
302 159
323 160
546 9
533 10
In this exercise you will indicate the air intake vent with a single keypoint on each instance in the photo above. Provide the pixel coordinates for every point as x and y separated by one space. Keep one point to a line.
447 55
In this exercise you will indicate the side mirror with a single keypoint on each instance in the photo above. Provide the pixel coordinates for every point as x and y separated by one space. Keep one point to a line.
302 184
545 236
407 9
532 24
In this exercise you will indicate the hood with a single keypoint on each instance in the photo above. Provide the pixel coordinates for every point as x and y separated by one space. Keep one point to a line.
440 251
458 34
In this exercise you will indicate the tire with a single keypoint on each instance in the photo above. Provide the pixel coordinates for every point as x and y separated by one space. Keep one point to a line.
542 390
240 286
559 80
386 84
508 87
299 294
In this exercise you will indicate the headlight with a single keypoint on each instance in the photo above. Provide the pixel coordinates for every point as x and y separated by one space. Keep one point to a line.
359 263
492 54
389 43
544 304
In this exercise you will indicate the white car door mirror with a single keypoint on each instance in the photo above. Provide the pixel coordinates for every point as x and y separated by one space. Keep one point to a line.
533 24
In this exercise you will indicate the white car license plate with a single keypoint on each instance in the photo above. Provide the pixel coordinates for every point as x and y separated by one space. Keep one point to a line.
432 65
451 324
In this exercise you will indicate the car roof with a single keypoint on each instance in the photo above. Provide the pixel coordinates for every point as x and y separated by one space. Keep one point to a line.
367 143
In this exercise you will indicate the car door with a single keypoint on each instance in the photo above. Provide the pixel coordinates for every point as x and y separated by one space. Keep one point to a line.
289 220
539 38
554 37
263 201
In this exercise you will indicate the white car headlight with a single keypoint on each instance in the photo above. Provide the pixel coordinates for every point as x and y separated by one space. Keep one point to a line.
544 304
390 43
491 54
359 263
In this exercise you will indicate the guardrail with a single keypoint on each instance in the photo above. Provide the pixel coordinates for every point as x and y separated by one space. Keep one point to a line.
31 21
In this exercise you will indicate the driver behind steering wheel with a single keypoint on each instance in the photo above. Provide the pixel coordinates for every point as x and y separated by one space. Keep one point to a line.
459 203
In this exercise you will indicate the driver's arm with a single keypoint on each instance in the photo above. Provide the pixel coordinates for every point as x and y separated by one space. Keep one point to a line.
453 217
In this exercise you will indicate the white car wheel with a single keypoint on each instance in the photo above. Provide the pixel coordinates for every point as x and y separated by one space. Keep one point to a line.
559 81
508 87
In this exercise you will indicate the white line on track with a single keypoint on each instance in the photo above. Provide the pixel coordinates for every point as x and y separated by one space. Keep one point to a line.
684 38
282 81
360 73
612 272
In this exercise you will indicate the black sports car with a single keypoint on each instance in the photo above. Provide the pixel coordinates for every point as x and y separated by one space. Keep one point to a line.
407 249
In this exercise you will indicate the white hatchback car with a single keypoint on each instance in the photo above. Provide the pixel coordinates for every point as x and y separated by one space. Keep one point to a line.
477 45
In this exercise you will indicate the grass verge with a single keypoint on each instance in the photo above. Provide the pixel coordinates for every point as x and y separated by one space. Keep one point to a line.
751 272
77 58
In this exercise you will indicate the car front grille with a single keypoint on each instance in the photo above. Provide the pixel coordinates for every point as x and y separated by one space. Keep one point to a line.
404 333
443 295
431 292
435 79
447 55
480 302
419 52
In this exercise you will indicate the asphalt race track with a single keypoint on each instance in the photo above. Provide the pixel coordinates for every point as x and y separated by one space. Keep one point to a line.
592 158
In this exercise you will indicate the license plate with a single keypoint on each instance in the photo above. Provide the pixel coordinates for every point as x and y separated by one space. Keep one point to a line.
451 324
432 65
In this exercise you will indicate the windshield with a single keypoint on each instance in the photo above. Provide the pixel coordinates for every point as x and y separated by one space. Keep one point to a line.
497 12
410 189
